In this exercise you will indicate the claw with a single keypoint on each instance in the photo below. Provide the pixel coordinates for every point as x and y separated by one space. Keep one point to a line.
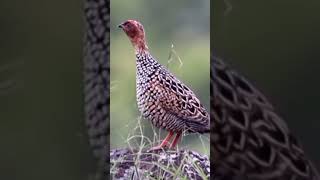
159 147
164 143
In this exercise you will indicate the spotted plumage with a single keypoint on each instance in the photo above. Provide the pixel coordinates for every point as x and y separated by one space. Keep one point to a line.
249 140
162 98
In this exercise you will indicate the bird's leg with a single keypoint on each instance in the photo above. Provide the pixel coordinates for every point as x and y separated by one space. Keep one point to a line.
164 142
175 140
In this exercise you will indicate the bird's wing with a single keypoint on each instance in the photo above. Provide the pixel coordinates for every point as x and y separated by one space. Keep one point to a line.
182 102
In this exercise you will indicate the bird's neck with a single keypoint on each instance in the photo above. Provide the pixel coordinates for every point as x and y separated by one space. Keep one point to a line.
144 58
140 45
141 48
146 64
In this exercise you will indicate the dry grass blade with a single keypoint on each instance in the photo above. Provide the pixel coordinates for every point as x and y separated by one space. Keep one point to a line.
174 53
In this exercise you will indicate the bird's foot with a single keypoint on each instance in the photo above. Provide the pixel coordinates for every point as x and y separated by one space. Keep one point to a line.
159 147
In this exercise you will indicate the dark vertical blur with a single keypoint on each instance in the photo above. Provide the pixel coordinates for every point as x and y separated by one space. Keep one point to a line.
42 133
275 44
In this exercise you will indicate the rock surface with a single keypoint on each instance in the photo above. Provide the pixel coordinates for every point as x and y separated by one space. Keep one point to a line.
163 164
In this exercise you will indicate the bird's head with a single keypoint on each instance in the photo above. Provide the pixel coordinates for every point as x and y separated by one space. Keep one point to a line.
135 32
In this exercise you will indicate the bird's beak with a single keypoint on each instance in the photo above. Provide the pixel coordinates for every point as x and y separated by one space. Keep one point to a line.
120 26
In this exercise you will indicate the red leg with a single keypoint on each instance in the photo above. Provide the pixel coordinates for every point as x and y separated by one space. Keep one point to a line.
164 142
175 141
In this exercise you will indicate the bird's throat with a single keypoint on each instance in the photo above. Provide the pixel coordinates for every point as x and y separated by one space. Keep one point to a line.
140 45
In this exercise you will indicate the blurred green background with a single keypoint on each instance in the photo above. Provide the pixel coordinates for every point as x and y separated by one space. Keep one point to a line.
275 44
183 23
42 128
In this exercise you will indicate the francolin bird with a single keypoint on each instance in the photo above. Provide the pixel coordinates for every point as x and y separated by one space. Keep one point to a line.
162 98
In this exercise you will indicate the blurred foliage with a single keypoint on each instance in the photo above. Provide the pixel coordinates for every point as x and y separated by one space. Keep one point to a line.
275 44
185 24
43 133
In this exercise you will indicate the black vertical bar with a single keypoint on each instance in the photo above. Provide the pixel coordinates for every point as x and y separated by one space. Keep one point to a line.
96 79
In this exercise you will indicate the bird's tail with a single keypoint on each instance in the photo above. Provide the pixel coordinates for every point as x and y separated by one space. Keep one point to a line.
198 127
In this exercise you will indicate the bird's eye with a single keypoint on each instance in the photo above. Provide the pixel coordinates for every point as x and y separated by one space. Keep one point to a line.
127 24
130 25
